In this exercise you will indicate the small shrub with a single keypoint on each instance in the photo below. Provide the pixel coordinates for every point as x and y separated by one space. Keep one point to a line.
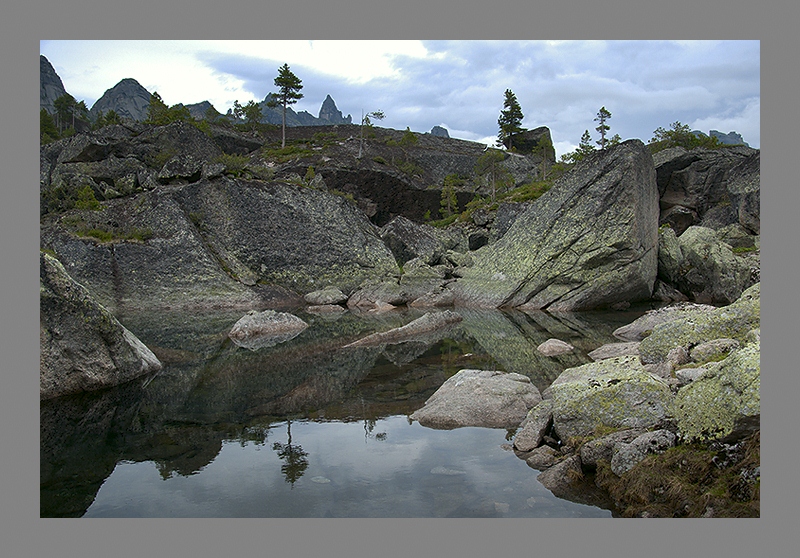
86 200
235 165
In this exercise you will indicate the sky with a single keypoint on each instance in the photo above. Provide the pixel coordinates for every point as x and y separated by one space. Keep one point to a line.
458 85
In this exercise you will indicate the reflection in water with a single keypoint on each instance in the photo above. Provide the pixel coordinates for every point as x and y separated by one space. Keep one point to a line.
295 458
212 396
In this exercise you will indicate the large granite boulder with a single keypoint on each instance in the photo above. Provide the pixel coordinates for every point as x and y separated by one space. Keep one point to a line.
82 346
726 393
589 242
611 393
219 242
484 398
734 321
643 325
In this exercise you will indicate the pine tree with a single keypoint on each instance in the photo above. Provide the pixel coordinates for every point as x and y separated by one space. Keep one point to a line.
602 116
289 86
510 120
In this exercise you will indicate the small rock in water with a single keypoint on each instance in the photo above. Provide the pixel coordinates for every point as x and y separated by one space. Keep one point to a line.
320 480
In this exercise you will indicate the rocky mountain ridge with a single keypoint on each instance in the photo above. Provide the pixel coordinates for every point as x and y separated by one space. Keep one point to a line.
129 99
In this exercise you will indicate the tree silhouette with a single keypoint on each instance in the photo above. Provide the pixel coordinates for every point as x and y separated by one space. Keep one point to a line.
365 121
602 116
510 120
289 86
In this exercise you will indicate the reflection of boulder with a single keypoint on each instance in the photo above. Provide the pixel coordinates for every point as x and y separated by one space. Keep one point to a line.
80 440
512 338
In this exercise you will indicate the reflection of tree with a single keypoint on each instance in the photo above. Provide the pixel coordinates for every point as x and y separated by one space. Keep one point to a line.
293 455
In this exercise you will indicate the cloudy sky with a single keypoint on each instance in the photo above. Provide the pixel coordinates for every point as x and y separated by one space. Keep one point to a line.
458 85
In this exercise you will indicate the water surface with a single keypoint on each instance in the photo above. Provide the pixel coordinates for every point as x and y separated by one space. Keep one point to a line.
304 428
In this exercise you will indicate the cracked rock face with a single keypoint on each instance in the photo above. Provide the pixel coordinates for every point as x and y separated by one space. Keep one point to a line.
589 242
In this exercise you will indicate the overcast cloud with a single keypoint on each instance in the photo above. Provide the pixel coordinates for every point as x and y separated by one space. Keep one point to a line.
455 84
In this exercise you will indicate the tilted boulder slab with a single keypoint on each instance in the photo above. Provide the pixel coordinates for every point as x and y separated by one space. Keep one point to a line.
484 398
82 346
615 393
589 242
421 326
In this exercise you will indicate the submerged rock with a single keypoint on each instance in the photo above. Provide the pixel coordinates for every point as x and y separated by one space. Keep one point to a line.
256 330
484 398
555 347
82 346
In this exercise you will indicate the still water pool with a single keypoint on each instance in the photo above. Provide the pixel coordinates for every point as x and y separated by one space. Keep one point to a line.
304 428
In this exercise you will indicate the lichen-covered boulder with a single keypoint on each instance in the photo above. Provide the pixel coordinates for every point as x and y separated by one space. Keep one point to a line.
626 455
644 325
734 321
615 392
82 346
709 271
591 241
484 398
726 393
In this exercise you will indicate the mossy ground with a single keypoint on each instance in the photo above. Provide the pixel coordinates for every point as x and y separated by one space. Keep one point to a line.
689 480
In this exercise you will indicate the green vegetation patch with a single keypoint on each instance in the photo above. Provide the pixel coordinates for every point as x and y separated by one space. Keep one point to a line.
689 480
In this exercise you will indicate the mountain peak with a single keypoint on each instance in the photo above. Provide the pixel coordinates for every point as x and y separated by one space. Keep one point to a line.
329 112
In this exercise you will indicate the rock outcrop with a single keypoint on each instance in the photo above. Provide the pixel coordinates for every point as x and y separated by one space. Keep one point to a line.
484 398
693 185
82 346
127 98
591 241
330 113
703 267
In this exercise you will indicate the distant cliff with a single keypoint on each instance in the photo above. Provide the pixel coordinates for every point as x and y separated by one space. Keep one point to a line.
50 85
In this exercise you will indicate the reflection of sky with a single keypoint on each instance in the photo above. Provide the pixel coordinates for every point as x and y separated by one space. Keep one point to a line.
411 472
